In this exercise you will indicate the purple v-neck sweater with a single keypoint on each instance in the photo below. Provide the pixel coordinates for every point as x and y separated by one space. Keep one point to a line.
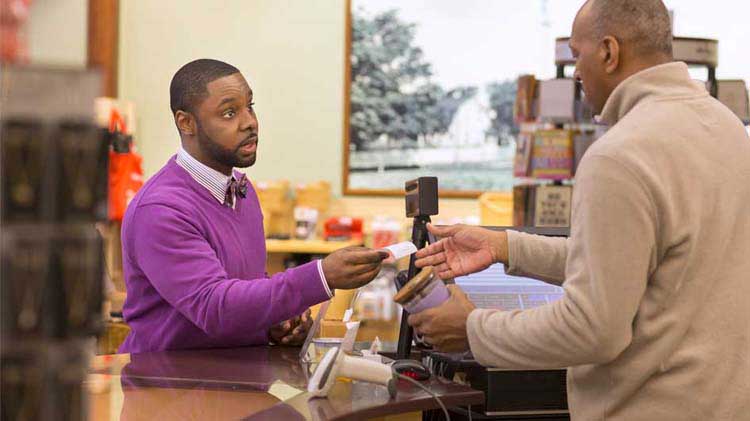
195 270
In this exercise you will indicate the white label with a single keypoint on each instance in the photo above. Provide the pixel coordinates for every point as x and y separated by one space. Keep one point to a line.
347 345
407 248
348 315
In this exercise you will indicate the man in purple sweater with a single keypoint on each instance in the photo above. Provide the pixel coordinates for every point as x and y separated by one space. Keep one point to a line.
193 245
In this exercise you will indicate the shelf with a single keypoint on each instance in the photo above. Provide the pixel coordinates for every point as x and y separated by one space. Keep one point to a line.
693 51
539 180
533 126
308 246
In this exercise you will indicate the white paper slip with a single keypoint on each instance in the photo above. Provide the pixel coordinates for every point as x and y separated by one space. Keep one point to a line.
347 345
407 248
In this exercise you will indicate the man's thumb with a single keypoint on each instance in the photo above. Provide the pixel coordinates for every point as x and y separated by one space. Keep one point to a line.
443 232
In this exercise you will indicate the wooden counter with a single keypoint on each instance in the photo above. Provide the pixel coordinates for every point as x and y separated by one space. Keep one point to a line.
258 383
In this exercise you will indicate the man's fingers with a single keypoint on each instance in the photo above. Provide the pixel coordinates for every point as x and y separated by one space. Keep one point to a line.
351 280
297 336
298 331
422 319
431 249
416 320
358 269
275 332
445 272
442 267
447 275
305 322
434 341
361 279
432 260
355 248
282 328
369 275
306 327
364 269
365 257
390 259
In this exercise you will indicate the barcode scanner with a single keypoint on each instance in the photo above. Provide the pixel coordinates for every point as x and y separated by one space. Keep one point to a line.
336 363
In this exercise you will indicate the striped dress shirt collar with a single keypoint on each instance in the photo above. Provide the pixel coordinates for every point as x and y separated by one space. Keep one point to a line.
216 182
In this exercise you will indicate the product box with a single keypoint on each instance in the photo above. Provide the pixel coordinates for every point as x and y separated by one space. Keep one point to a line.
552 154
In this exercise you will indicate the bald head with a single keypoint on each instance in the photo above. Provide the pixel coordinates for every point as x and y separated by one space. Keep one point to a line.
614 39
643 25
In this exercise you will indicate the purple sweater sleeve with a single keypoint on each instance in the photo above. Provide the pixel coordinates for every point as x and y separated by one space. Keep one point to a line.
185 270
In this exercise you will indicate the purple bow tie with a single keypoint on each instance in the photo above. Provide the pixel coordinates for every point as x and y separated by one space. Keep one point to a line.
236 188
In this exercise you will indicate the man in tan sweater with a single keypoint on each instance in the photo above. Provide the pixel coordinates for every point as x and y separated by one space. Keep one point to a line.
655 320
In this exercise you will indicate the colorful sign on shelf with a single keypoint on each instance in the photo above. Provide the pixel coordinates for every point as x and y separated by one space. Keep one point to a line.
552 155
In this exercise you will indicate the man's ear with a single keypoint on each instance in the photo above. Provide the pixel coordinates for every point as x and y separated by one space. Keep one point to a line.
609 52
185 122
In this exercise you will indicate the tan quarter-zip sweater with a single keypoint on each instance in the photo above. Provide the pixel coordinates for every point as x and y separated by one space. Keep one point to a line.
655 320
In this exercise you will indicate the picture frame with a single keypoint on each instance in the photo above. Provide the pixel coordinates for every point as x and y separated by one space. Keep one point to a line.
406 123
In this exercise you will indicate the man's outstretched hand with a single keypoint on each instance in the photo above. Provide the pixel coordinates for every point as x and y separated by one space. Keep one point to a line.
352 267
463 250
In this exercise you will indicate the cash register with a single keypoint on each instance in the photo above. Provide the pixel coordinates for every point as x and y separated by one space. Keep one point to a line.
509 394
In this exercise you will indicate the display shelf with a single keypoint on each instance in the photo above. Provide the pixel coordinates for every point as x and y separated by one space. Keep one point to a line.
695 52
543 181
529 127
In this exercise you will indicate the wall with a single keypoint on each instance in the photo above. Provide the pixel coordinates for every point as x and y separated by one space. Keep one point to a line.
57 31
291 52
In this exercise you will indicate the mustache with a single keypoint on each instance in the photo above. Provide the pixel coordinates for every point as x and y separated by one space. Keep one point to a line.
253 138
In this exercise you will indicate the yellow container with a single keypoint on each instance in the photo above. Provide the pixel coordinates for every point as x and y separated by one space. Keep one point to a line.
496 209
277 207
315 195
272 194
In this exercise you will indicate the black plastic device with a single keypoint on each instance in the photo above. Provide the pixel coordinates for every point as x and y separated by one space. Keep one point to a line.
421 203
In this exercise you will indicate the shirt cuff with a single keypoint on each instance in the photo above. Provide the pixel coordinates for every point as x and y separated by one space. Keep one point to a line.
323 279
512 268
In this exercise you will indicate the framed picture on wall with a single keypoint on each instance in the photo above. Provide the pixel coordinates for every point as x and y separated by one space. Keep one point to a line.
426 94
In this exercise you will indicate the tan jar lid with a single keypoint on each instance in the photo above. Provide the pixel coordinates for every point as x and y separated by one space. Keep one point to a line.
419 281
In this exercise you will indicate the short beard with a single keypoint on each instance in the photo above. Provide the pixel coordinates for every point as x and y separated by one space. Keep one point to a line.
220 154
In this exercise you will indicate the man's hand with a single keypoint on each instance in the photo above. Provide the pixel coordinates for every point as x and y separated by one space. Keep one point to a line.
444 327
293 331
352 267
463 250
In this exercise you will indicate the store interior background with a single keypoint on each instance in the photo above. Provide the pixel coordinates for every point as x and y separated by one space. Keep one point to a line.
292 53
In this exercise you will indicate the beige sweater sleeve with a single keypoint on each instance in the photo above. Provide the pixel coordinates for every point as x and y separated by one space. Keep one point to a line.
609 255
537 256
